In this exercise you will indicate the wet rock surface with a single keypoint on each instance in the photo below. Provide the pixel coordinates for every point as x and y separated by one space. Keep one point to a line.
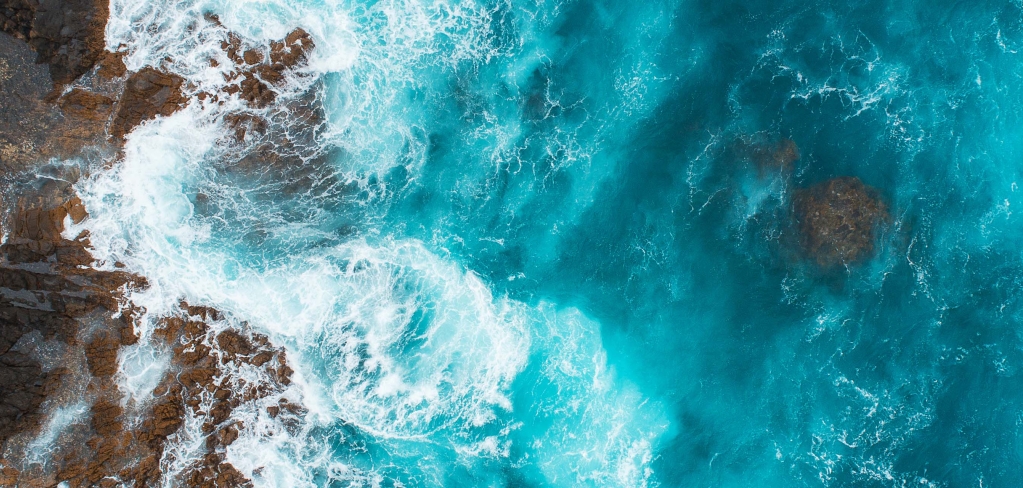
48 289
26 119
838 221
147 93
67 35
65 324
204 384
48 293
263 67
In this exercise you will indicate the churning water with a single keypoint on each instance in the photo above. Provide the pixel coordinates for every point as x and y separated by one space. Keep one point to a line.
513 247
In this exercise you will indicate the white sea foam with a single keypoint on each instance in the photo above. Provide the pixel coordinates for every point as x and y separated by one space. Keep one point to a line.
393 343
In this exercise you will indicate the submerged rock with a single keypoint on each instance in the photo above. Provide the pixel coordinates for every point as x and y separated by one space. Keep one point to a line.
768 155
838 220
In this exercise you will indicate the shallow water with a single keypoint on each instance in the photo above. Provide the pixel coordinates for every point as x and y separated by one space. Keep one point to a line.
520 248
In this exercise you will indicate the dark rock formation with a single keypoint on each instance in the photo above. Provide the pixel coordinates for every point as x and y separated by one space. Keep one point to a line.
203 383
67 35
37 122
44 290
147 93
838 220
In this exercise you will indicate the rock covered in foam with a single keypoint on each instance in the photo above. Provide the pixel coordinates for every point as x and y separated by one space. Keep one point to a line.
260 68
49 288
838 220
121 445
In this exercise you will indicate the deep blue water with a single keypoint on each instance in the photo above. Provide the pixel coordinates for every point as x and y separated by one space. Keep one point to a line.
577 160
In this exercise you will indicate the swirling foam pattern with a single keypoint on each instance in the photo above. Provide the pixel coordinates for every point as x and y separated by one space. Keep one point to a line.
527 259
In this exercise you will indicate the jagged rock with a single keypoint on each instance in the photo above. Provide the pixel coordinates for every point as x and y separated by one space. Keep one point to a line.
21 392
254 85
8 475
36 265
838 220
36 299
166 419
232 344
111 65
48 286
147 94
213 472
105 418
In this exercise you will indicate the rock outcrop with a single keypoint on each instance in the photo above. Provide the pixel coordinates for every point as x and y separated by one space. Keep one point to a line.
67 35
64 324
147 93
838 221
48 292
51 297
32 127
204 384
259 68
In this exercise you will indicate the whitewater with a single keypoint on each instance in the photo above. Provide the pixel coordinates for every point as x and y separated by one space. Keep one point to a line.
510 242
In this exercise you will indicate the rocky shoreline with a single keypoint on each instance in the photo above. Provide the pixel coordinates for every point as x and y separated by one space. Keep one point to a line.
65 323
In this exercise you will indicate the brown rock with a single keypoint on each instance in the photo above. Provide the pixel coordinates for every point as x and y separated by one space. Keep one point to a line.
255 83
101 354
68 35
167 418
837 221
147 94
110 453
8 475
253 56
213 472
105 418
232 344
86 104
111 65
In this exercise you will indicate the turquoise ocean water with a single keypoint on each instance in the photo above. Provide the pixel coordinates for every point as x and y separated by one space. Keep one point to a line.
521 250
